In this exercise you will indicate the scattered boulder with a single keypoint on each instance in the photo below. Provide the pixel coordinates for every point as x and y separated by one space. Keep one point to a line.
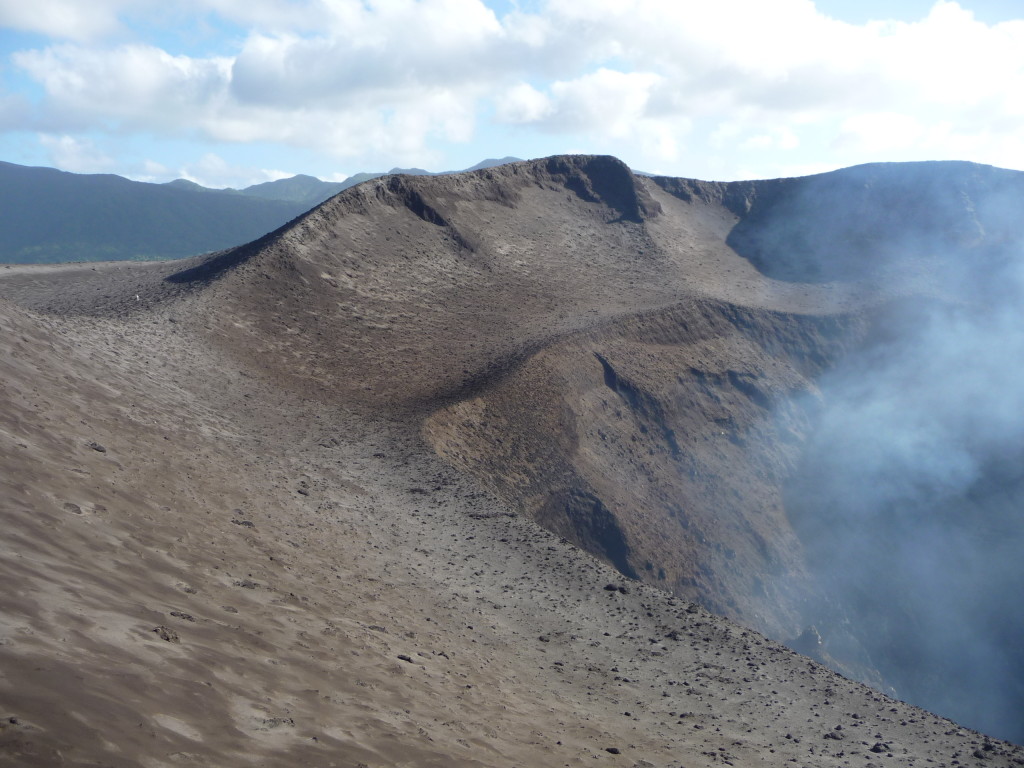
167 634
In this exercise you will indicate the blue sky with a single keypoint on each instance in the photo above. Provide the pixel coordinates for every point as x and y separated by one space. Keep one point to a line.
235 92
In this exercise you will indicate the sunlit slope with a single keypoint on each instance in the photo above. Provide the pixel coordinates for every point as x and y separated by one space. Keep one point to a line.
347 429
428 286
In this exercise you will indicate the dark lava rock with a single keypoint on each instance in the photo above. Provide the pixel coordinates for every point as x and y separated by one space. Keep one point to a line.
166 633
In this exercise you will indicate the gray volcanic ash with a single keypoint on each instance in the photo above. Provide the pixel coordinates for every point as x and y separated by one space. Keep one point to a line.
279 506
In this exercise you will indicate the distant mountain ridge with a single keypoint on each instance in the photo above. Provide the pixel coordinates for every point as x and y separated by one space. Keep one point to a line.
50 216
310 191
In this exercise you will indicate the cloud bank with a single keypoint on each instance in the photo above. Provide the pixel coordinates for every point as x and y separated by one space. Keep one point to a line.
667 84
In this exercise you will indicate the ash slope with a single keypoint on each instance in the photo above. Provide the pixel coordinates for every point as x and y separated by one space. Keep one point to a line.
230 539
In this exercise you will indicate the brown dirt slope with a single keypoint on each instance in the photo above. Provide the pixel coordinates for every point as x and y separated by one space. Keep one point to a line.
230 541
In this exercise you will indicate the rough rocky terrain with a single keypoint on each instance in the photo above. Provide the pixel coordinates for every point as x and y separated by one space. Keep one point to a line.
320 500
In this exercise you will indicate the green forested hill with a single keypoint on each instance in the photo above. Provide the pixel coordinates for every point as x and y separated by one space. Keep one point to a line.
48 215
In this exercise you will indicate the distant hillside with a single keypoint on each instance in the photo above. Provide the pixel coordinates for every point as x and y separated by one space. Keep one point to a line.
302 190
311 191
49 216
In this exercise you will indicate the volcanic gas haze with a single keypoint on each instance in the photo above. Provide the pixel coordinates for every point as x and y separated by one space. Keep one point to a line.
514 467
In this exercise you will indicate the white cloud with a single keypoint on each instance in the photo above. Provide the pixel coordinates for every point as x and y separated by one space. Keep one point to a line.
148 170
605 101
273 174
136 86
379 52
396 77
209 171
76 155
275 15
781 137
786 74
92 20
609 107
877 132
215 172
69 19
155 170
522 103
